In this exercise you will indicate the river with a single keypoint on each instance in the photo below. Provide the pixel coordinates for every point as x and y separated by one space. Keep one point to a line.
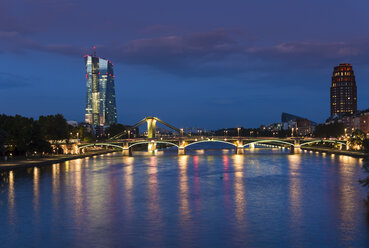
208 198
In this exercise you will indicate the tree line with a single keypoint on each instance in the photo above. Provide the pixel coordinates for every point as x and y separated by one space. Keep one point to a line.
25 136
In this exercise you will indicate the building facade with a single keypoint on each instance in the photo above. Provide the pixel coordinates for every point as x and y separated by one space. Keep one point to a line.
303 127
343 91
360 121
100 101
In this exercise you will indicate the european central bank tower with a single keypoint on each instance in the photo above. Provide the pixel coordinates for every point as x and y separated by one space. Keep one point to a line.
101 109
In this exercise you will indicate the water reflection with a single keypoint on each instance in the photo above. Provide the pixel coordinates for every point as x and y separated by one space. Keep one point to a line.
128 184
154 211
11 197
294 162
226 186
78 192
196 182
239 191
295 197
36 190
208 200
347 197
184 204
56 186
184 207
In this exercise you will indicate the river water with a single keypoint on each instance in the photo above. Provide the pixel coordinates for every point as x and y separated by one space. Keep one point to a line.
208 198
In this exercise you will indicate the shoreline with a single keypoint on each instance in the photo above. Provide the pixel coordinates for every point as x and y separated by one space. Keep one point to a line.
17 164
337 152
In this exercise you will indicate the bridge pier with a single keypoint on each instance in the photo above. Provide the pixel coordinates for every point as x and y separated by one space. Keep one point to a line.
239 146
127 151
240 150
151 148
181 147
296 148
181 151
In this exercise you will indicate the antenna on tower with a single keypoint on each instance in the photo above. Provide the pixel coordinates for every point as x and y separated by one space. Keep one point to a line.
94 51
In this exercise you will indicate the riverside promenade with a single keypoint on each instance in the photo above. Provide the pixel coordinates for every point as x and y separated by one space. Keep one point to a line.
16 163
355 154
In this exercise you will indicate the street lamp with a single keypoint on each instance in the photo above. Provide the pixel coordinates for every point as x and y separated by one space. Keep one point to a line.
181 131
238 131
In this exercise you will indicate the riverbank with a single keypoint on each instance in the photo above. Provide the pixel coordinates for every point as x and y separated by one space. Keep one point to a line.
338 152
30 162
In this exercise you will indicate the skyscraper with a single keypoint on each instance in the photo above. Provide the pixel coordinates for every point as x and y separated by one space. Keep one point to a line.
100 102
343 90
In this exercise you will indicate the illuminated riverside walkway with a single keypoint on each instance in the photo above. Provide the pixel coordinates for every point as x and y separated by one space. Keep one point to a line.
182 141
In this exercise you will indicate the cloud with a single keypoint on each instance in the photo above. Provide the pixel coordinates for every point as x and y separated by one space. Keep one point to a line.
177 49
221 52
10 81
300 52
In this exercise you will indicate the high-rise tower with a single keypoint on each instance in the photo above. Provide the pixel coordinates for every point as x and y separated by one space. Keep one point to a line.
100 103
343 90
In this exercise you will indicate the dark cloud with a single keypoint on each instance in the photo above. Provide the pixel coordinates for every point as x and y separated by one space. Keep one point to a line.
9 81
220 52
178 49
304 52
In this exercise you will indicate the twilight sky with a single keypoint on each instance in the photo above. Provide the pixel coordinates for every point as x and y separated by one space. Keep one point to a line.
203 63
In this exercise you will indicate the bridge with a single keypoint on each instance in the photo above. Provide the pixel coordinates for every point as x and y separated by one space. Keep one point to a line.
183 141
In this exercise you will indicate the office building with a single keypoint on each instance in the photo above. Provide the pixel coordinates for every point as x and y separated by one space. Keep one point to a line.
100 101
343 91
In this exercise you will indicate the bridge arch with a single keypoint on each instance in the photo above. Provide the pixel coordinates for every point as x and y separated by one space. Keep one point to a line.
329 141
269 141
149 142
209 141
100 144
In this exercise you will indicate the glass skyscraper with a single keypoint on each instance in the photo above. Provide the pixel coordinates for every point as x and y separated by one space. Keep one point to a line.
100 102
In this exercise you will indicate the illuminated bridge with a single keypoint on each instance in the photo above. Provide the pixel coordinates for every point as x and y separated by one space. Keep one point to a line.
183 141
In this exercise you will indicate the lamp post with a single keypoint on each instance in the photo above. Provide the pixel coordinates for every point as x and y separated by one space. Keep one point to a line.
181 131
238 131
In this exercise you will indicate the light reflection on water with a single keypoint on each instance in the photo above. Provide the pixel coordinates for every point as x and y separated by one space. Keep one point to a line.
265 198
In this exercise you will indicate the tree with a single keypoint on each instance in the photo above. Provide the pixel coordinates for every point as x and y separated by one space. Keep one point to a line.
3 137
115 129
22 134
54 127
332 130
357 138
81 132
366 145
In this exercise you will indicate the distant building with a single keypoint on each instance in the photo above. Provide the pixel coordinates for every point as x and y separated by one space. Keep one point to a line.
100 101
72 123
343 90
303 127
352 122
289 117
